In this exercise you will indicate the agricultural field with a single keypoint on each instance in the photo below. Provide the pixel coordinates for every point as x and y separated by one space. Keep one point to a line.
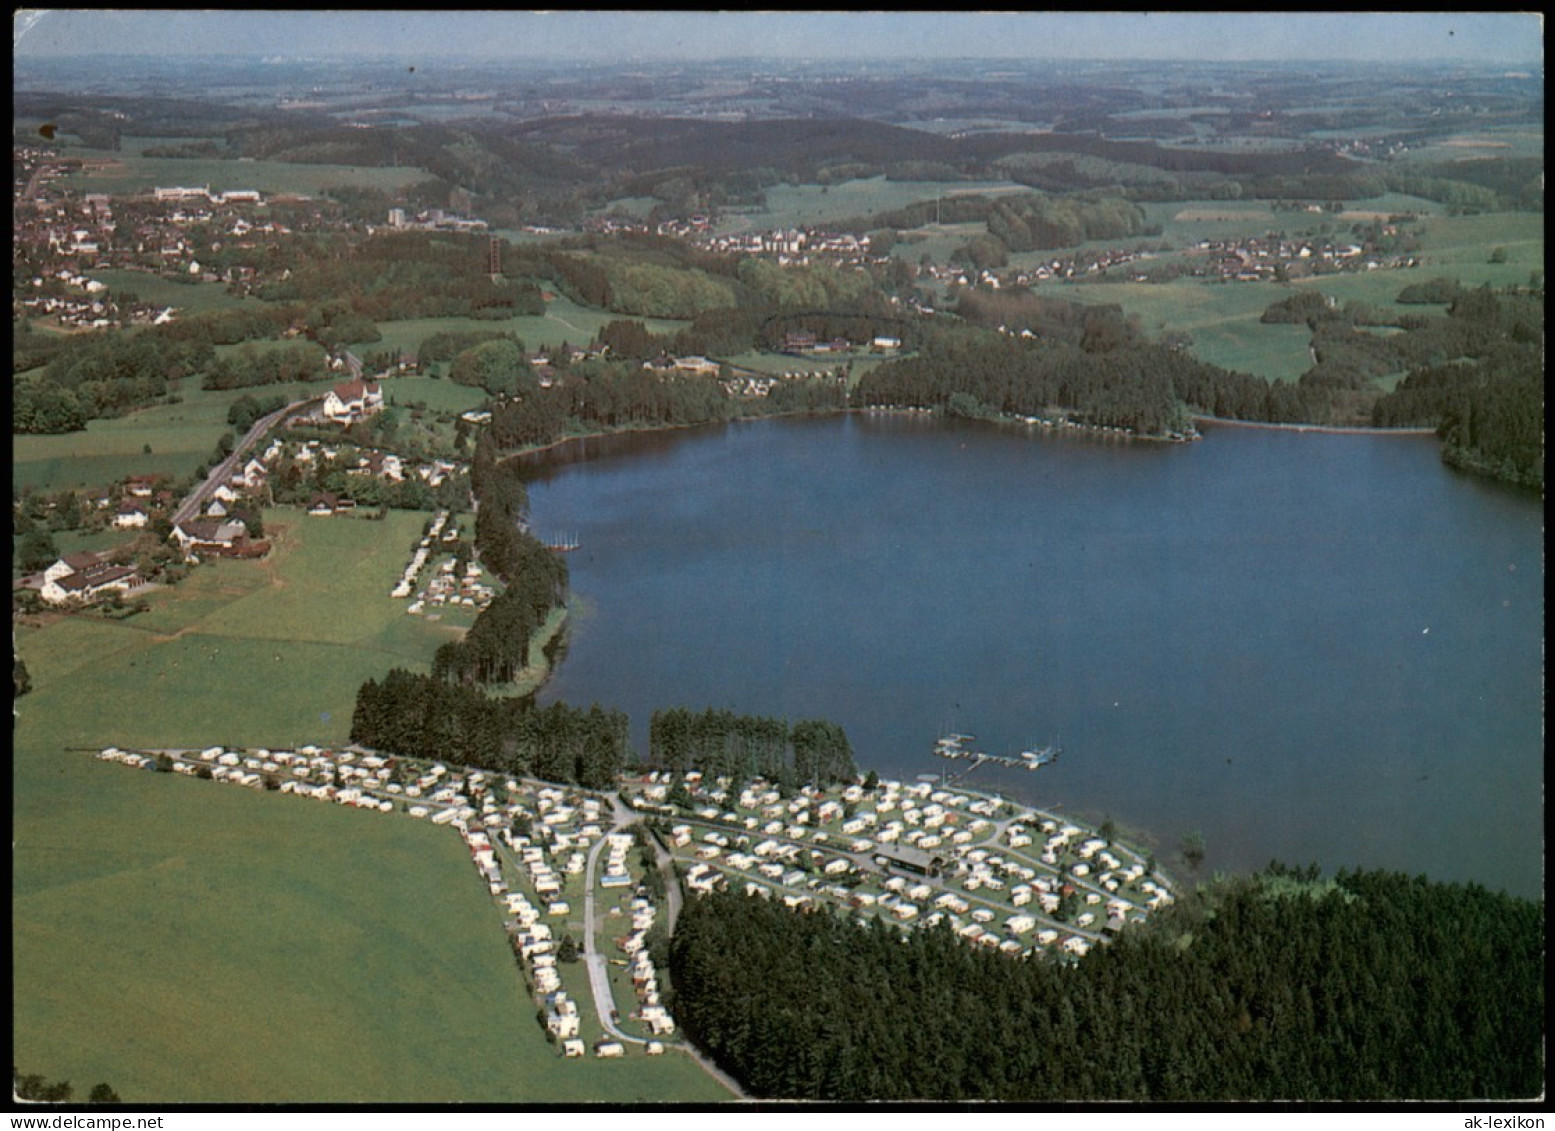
789 206
563 321
182 437
193 298
1223 318
130 889
132 173
310 622
939 241
437 394
1497 142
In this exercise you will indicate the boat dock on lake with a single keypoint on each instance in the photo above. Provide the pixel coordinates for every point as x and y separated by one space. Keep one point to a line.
954 747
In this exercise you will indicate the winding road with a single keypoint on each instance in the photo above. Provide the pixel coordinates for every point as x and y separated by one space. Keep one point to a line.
599 972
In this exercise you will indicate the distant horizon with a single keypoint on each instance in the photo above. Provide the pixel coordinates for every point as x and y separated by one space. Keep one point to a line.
1525 66
1508 39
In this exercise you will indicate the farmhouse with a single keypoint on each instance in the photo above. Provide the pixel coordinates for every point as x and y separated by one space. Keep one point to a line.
130 515
215 536
323 503
71 563
353 400
142 486
90 581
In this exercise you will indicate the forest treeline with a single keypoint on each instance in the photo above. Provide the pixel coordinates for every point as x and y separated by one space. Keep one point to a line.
1475 373
1480 383
447 714
396 275
603 396
1088 364
1280 986
1033 221
725 744
424 716
534 580
555 169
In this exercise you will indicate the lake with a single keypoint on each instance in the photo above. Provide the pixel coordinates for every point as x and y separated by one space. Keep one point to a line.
1305 647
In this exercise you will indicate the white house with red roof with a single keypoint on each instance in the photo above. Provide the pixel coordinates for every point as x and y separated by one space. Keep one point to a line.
353 400
130 515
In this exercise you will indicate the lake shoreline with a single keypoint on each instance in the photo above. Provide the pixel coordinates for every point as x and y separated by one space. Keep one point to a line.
1062 426
847 535
1325 429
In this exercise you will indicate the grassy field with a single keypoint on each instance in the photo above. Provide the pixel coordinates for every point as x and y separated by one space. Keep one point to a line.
190 942
182 437
1499 142
1223 318
75 541
563 321
789 206
937 241
309 624
192 297
1275 353
136 173
437 394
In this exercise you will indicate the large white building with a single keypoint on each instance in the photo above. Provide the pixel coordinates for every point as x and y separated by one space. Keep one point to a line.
353 400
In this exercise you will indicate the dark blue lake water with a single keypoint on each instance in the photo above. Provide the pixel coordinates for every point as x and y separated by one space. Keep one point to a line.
1306 647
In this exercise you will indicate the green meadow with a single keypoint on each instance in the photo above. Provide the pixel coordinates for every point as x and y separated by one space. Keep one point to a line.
195 298
789 206
563 321
192 942
437 394
182 437
307 624
132 173
937 241
1223 318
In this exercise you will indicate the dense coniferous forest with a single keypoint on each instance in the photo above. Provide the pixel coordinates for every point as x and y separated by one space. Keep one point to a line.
610 395
421 716
1475 374
1275 987
405 275
1480 383
724 744
1097 372
497 646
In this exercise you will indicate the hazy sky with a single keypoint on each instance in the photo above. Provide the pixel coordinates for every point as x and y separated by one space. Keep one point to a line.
645 36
